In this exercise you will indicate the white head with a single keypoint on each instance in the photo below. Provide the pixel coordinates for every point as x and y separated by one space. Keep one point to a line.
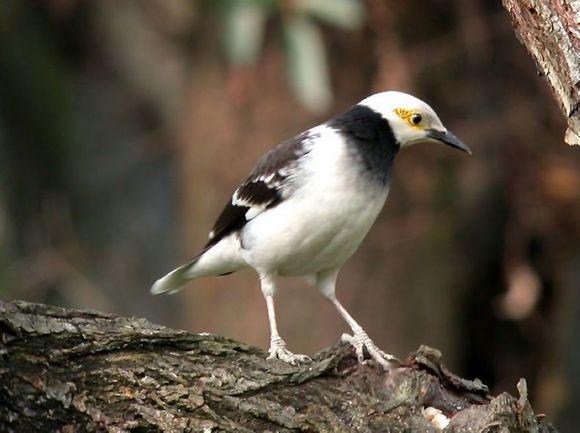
411 119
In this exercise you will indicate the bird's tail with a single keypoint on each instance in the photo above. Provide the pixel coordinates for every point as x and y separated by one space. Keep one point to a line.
176 279
220 259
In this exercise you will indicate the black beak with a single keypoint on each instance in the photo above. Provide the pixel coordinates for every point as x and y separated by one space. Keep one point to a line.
448 138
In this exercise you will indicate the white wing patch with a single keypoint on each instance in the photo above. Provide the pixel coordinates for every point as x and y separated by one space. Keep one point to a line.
271 182
254 209
238 201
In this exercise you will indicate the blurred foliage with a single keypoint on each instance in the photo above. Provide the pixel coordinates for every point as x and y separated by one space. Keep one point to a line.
305 49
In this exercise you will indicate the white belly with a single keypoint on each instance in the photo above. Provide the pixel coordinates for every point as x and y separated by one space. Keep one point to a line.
299 238
321 225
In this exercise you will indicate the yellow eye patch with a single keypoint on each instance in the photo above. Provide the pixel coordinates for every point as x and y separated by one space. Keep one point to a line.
412 118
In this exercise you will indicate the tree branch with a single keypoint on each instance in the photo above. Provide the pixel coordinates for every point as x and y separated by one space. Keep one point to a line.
75 371
549 30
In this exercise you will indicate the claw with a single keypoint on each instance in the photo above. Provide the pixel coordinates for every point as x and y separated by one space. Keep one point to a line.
278 351
361 341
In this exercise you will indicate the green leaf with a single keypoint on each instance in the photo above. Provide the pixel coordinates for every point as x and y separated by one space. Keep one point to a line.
348 14
307 61
245 21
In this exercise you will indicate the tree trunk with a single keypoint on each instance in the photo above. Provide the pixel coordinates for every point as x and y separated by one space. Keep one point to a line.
75 371
549 29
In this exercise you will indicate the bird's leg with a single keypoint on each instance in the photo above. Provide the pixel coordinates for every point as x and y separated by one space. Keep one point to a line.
361 341
326 282
277 344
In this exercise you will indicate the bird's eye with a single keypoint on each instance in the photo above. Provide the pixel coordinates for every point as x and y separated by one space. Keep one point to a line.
416 118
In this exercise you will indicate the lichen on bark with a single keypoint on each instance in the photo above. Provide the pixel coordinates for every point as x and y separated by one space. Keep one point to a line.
76 371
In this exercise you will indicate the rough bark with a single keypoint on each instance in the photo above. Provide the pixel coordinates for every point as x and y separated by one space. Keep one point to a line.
550 31
76 371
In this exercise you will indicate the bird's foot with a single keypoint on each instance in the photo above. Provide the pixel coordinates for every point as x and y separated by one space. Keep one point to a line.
361 341
278 351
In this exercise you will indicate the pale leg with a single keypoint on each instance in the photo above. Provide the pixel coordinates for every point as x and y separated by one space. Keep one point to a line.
277 345
359 340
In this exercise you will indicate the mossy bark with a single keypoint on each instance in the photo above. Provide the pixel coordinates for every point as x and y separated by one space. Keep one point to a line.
76 371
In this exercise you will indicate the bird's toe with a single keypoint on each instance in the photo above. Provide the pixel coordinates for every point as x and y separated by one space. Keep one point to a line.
293 358
356 344
298 359
279 351
361 341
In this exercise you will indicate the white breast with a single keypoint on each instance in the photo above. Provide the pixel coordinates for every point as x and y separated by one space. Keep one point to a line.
323 222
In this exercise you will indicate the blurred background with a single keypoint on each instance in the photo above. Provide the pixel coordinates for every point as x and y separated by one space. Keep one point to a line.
126 125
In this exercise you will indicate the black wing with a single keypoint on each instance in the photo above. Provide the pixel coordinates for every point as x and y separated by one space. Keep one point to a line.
263 189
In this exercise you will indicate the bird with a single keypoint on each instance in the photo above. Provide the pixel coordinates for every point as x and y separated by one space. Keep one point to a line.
309 203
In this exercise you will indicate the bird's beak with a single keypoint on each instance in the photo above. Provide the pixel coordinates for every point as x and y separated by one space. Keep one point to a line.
448 138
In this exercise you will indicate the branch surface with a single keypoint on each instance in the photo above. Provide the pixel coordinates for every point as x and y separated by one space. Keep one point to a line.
79 371
550 31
